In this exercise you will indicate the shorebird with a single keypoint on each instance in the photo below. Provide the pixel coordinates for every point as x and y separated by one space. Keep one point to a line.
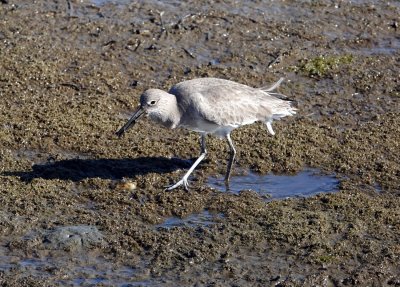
211 106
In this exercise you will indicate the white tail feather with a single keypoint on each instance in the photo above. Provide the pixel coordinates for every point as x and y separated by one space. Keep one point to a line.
273 87
269 127
281 108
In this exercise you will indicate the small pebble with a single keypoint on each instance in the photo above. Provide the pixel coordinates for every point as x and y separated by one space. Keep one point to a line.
126 185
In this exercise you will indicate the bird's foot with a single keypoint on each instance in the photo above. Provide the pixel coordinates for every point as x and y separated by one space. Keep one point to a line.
183 182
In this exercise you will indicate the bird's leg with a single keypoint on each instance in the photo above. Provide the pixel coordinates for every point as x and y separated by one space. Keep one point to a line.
232 154
184 180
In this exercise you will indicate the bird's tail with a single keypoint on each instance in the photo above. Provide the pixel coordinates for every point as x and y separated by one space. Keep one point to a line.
285 109
273 87
280 106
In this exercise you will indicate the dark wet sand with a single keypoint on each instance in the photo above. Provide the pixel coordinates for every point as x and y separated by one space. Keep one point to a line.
70 75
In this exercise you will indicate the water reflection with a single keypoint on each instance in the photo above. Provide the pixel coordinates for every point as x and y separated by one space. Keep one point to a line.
306 183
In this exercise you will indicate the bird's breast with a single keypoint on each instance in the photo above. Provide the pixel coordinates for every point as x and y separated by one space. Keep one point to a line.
203 126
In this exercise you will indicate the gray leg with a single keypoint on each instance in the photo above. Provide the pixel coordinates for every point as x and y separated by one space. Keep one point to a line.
232 154
203 143
184 180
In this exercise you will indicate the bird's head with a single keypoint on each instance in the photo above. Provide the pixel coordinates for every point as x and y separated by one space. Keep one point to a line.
154 103
151 100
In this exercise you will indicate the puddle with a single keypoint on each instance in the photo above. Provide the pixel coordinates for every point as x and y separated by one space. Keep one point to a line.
104 2
204 218
85 269
83 266
306 183
92 275
275 9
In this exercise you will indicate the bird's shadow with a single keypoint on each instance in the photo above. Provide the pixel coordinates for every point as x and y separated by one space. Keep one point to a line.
78 169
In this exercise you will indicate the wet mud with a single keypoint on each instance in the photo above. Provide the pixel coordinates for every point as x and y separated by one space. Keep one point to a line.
80 207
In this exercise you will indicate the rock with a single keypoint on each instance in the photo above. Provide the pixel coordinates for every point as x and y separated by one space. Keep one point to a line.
74 238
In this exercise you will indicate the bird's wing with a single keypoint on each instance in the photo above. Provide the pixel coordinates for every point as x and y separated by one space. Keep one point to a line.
225 103
228 103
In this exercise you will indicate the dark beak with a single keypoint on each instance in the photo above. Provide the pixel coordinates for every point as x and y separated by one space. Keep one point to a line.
130 122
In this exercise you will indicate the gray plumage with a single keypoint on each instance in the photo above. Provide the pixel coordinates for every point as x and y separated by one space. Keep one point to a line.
211 106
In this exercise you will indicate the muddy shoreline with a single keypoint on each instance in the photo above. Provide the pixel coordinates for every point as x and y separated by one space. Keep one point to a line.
70 75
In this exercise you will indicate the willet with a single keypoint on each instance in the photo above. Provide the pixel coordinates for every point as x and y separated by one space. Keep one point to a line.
211 106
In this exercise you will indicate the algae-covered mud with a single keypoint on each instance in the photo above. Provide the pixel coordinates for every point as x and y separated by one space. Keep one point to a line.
80 207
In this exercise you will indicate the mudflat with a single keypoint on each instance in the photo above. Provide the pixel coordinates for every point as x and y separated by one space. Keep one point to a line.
80 207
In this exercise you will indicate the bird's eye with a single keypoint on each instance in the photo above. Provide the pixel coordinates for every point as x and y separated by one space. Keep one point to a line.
152 103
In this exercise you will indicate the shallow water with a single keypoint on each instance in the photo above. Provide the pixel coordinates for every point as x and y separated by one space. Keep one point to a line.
271 186
79 270
204 218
